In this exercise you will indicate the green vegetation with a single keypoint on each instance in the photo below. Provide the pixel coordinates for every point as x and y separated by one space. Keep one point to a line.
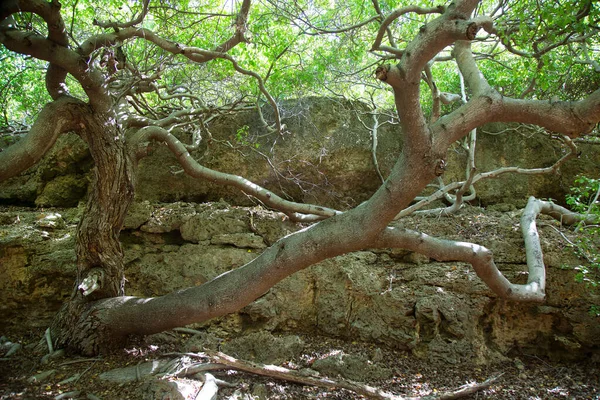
585 199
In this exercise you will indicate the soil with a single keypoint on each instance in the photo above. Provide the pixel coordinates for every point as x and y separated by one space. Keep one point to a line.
523 376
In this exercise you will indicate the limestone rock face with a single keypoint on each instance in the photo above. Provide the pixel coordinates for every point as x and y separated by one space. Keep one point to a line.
323 157
439 311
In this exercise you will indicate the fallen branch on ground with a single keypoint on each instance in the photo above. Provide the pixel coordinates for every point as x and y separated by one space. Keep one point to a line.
224 361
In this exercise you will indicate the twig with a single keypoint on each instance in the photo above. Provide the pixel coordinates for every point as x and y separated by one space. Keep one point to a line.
468 389
187 330
81 360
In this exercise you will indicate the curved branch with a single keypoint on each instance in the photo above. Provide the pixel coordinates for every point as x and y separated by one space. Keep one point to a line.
128 32
321 31
57 33
481 258
478 256
241 22
62 61
54 119
397 13
120 25
192 53
296 211
571 118
261 83
468 68
472 179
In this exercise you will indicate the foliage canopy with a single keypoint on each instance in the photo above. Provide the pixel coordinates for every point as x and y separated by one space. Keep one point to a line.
322 48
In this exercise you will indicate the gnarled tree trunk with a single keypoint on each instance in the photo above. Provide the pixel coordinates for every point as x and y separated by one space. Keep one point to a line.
100 269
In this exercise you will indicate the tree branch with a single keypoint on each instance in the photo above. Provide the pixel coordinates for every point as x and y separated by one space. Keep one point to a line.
121 25
397 13
61 59
296 211
56 118
57 34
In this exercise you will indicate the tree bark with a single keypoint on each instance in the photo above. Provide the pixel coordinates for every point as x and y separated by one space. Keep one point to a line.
100 269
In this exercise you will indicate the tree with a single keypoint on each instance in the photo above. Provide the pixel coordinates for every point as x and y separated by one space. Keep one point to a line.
130 86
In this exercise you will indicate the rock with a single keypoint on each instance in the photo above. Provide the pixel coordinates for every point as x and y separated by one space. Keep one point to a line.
260 392
325 143
205 225
203 342
439 311
138 214
63 191
51 221
169 217
241 240
377 355
353 367
264 348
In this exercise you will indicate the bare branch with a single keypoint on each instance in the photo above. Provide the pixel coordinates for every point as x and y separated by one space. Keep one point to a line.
481 258
240 30
192 53
474 178
397 13
120 25
61 59
296 211
573 119
364 390
321 31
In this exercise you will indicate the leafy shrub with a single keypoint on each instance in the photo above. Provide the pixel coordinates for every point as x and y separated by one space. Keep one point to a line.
584 199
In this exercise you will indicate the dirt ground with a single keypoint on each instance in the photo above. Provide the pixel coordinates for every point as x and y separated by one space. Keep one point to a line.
523 376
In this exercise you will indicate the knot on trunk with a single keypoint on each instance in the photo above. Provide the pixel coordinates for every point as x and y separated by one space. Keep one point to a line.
381 72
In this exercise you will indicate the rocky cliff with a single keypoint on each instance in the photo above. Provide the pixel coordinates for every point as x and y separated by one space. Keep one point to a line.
440 311
324 157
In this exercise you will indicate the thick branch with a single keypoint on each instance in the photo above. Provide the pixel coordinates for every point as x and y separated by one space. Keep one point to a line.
481 258
61 59
55 118
240 30
571 118
57 33
478 256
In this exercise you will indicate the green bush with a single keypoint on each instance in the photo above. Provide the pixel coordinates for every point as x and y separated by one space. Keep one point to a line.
584 199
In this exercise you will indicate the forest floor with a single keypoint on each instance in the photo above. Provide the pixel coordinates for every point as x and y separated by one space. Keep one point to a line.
522 377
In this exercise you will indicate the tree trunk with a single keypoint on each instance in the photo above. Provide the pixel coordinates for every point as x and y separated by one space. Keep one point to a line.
100 269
